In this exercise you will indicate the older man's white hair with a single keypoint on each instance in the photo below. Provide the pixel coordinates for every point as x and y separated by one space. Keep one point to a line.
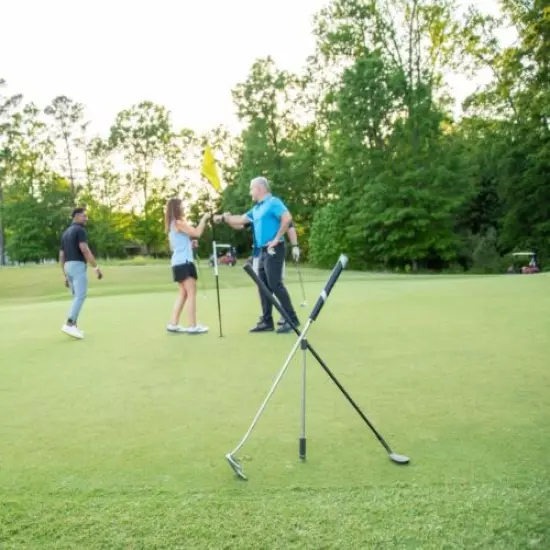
260 180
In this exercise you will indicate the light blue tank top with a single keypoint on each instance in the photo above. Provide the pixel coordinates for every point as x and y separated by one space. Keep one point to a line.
180 243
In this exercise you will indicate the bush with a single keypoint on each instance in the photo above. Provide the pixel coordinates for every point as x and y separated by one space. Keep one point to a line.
485 256
139 260
326 236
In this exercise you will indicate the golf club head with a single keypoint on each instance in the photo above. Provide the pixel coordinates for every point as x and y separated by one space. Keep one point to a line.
399 459
303 304
235 465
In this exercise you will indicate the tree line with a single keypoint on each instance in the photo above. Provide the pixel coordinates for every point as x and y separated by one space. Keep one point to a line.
362 145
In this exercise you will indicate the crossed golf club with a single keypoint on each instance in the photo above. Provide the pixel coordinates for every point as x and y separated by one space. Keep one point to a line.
304 344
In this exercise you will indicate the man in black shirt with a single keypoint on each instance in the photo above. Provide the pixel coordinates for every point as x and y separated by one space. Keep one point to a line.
74 257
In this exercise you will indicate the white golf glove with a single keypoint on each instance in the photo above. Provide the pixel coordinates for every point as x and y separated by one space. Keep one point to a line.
296 253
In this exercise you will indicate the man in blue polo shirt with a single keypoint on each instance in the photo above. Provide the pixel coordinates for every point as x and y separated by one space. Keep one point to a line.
271 220
256 253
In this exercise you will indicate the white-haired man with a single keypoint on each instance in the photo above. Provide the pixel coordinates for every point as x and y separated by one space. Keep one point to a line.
271 220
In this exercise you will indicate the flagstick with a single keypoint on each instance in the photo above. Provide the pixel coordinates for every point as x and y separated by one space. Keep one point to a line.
215 250
209 171
216 272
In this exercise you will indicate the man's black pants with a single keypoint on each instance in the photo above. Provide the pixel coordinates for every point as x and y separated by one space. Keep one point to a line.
271 273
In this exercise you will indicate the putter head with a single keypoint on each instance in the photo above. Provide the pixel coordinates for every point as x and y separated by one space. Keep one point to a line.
235 464
303 304
399 459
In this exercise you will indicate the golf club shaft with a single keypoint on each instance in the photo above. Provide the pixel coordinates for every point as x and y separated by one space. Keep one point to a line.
301 281
302 441
267 293
338 268
272 389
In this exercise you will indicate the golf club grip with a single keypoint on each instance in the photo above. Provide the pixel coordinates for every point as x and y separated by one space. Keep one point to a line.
338 268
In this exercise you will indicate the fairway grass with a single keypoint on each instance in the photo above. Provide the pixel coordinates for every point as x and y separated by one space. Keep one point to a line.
118 441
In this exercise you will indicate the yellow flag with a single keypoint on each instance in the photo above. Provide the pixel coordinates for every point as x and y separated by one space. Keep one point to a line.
209 170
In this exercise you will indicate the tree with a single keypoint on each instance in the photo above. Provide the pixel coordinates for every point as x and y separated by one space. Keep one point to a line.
7 106
265 102
67 116
143 135
36 220
392 166
280 141
26 152
519 97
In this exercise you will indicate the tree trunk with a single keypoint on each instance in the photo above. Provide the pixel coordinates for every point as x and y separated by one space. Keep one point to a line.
146 210
71 173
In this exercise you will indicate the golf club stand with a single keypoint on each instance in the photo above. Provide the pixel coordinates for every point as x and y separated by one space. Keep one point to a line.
304 345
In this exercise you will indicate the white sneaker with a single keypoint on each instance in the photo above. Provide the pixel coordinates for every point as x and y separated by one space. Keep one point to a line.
175 328
197 329
73 331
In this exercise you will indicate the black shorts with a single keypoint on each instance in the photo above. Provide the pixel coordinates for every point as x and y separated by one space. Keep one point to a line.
184 271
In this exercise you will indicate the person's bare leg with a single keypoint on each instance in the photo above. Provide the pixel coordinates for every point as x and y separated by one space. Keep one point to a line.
178 305
190 285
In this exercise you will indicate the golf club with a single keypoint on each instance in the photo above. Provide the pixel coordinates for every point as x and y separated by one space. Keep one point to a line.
302 342
304 301
394 457
233 462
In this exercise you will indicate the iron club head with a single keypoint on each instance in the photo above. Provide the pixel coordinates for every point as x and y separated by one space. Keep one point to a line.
236 466
399 459
303 304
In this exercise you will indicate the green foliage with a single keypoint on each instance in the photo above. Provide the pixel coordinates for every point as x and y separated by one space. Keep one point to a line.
328 235
36 221
486 258
67 116
361 145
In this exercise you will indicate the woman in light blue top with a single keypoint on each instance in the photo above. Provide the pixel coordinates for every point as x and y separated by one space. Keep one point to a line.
180 233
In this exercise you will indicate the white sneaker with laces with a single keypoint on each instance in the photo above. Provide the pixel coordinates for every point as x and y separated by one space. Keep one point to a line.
73 331
176 329
197 329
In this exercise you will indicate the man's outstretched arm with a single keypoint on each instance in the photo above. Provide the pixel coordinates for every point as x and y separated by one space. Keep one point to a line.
235 222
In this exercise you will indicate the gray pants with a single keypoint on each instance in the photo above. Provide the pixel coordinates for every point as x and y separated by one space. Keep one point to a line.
256 266
78 281
271 273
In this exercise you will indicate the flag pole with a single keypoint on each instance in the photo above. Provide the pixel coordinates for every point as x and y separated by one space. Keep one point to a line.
209 171
216 274
216 270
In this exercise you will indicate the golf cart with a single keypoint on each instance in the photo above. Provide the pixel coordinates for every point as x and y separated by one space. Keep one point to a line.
228 258
524 263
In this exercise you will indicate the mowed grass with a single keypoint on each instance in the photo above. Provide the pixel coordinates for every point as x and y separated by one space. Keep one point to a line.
118 441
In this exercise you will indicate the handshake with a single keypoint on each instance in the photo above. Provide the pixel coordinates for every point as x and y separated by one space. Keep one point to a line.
218 218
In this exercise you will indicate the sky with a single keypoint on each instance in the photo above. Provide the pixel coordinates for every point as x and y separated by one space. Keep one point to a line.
184 54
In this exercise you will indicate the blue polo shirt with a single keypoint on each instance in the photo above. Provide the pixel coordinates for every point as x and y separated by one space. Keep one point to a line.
265 217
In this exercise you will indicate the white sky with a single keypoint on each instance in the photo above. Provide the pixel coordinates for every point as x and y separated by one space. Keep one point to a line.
184 54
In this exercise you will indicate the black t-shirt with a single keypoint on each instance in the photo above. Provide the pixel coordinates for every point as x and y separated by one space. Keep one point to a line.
70 241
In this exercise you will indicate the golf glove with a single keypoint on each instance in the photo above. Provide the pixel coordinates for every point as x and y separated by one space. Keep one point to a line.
296 253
